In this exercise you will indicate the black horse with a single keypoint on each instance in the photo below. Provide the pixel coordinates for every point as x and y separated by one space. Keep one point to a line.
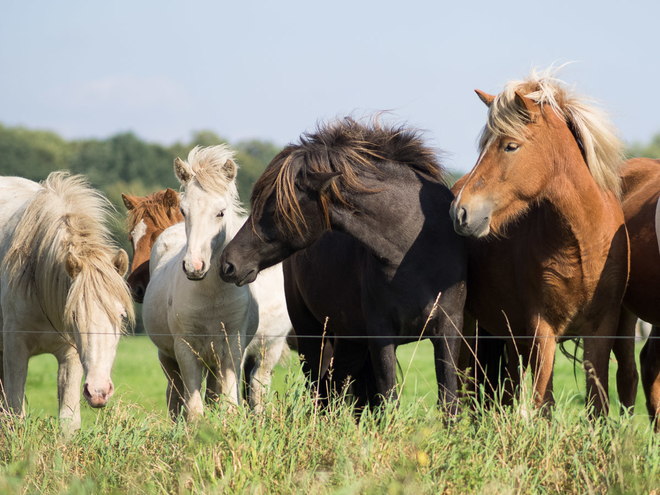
362 210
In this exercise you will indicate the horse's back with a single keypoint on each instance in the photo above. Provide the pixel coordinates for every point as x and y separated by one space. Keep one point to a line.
15 194
641 191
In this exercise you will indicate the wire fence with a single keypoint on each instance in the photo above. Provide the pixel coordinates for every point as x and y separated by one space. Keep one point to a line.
329 335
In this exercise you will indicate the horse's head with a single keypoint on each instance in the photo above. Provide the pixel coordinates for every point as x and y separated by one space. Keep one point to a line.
98 308
209 204
513 169
539 136
148 217
288 214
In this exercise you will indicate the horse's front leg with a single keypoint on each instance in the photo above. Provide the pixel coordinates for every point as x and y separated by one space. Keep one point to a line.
383 359
15 366
192 374
69 375
542 361
230 367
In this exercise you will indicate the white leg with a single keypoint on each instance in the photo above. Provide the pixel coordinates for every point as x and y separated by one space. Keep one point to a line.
268 355
15 365
230 368
192 373
69 376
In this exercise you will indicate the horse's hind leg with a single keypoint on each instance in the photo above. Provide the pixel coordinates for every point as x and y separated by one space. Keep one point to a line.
258 381
349 360
212 385
650 367
69 375
596 363
174 394
624 351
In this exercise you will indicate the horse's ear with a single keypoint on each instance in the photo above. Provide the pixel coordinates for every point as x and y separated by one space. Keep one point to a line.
321 181
229 170
526 104
170 198
182 171
120 260
485 97
128 201
72 265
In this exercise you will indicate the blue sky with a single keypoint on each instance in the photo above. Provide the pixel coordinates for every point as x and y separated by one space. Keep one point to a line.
271 70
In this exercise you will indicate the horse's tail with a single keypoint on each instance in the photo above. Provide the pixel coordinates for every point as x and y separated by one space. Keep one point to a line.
574 355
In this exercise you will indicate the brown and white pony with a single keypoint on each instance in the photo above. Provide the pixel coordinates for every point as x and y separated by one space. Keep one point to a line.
548 249
148 217
62 289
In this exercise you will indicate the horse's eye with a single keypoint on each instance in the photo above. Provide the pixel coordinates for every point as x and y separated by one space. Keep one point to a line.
182 212
511 147
221 214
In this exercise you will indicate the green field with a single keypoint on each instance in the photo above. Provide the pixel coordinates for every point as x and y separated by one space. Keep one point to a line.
138 379
132 447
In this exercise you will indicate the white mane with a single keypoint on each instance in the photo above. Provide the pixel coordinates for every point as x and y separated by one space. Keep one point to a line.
67 216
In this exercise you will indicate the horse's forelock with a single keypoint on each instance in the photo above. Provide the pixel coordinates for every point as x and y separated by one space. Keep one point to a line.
207 166
98 276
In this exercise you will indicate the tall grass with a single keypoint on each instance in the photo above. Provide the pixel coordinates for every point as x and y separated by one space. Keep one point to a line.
296 448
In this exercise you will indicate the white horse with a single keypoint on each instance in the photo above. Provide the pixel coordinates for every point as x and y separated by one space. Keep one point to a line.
196 320
61 290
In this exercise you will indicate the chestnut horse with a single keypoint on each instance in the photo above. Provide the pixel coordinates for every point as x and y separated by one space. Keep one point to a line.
361 210
548 250
641 189
148 217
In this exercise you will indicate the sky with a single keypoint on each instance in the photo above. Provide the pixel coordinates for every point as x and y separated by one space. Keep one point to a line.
272 70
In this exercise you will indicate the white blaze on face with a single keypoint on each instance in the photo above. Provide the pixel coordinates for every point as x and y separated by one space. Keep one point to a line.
138 233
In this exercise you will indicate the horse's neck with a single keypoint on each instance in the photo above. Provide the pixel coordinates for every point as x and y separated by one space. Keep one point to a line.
388 222
589 213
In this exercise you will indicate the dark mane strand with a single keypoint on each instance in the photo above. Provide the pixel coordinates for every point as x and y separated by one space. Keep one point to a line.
347 146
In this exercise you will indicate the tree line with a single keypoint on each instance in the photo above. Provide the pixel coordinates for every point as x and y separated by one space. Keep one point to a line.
122 163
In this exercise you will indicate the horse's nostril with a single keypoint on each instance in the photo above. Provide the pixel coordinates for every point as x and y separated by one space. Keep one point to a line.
462 214
228 268
202 268
139 291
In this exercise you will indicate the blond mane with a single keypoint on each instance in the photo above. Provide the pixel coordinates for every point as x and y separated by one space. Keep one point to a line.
207 166
67 216
594 131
